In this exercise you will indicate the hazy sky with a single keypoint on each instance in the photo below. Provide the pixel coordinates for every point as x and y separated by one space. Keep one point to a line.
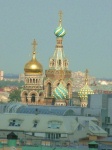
87 43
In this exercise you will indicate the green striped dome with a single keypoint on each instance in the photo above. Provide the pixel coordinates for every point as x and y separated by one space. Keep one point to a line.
60 92
60 32
83 93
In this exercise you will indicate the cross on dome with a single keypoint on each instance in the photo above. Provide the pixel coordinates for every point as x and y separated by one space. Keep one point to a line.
60 17
86 76
34 45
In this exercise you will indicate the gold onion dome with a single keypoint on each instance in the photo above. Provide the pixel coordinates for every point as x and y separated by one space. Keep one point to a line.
83 93
33 66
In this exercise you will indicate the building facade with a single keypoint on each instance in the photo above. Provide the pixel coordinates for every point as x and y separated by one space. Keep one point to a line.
33 92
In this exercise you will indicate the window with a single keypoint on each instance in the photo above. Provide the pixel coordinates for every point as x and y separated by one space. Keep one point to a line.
107 119
26 97
92 128
15 122
49 89
107 130
97 128
54 124
33 98
59 62
89 115
35 123
80 128
86 123
53 135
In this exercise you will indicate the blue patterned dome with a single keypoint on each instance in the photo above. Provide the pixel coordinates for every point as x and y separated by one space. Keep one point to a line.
60 92
60 31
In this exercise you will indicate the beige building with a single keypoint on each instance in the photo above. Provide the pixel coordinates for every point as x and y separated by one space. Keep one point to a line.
33 72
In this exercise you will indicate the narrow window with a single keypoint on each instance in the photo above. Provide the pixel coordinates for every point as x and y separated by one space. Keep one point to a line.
35 124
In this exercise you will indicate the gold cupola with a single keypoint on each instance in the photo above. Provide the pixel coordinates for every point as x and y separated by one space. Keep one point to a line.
33 66
84 91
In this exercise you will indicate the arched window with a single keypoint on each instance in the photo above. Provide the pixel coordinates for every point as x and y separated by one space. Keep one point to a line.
30 80
57 84
59 62
52 62
26 97
33 98
49 89
41 94
68 88
33 80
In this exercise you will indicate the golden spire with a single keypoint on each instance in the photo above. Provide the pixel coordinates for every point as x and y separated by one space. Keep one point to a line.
34 45
86 77
60 17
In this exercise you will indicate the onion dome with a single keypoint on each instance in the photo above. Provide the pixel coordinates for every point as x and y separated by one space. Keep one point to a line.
60 31
83 93
60 92
33 66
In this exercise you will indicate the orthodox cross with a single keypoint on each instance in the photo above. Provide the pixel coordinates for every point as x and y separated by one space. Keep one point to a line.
60 17
86 76
34 45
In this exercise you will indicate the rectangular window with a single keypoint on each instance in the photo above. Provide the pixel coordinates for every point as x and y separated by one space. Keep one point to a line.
35 123
107 130
54 125
80 128
92 128
53 135
15 122
97 127
107 119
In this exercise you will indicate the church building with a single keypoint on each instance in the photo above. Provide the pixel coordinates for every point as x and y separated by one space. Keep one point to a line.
55 87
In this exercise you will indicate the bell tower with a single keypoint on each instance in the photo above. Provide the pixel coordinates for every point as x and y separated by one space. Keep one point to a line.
58 63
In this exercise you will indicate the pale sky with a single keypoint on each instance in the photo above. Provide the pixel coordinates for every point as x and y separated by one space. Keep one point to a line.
87 43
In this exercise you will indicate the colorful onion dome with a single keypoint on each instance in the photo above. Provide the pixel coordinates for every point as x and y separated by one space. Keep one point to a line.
60 31
60 92
83 93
